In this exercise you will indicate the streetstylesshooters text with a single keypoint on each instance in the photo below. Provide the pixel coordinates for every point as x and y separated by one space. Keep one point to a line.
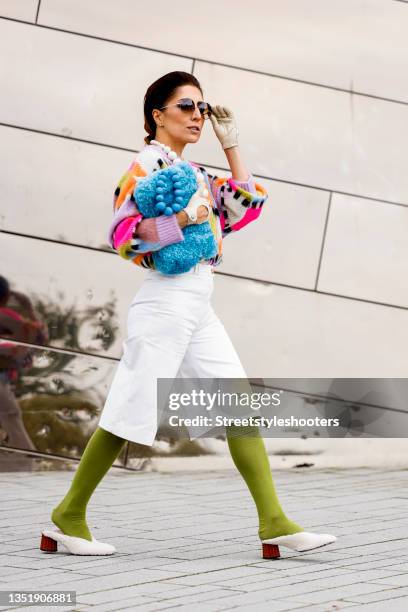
254 401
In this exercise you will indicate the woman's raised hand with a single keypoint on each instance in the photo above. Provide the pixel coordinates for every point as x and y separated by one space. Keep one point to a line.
225 126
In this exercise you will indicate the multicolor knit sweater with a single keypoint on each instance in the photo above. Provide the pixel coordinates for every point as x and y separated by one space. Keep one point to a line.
234 205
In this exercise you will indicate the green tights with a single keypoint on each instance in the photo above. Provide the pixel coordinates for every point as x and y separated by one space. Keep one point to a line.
248 453
101 451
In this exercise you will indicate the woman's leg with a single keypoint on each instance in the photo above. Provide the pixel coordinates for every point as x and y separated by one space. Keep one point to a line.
248 452
160 322
101 451
211 354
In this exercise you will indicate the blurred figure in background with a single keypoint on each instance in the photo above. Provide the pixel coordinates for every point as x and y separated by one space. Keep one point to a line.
13 359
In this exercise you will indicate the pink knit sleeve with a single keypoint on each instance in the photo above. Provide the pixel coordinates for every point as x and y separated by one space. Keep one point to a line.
154 233
164 229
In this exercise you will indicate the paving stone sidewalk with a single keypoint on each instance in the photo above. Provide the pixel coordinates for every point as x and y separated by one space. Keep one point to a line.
188 542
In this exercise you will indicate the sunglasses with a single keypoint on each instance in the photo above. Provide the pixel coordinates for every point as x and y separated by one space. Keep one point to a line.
188 105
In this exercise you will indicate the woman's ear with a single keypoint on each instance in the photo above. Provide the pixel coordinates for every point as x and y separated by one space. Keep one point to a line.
156 114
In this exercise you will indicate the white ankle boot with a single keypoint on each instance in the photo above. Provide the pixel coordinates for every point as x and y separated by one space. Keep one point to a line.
301 541
76 546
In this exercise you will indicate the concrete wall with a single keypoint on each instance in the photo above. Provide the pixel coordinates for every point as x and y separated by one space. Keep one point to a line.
321 98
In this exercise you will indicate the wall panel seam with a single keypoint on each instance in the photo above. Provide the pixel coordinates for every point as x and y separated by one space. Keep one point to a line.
212 62
323 239
228 274
221 168
38 11
58 349
45 455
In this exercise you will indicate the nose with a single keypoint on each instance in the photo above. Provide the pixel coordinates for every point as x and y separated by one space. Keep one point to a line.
196 113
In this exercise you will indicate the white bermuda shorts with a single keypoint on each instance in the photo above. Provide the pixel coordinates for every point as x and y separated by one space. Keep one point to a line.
172 332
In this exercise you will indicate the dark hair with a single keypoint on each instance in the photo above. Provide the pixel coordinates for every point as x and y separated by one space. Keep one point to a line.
4 289
159 92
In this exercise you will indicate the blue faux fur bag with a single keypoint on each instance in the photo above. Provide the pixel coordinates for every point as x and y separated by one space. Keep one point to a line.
166 192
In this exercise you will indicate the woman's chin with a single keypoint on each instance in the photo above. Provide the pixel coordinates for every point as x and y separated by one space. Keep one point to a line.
194 138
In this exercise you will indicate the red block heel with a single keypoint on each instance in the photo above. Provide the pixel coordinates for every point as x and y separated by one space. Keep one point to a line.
48 544
270 551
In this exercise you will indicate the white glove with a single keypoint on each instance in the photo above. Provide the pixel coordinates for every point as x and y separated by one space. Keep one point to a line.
197 199
225 126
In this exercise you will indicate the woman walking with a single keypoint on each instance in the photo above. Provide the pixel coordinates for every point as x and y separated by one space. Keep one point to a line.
172 329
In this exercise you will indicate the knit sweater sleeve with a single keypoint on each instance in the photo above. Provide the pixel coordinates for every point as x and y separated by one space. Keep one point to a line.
238 202
147 235
131 235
